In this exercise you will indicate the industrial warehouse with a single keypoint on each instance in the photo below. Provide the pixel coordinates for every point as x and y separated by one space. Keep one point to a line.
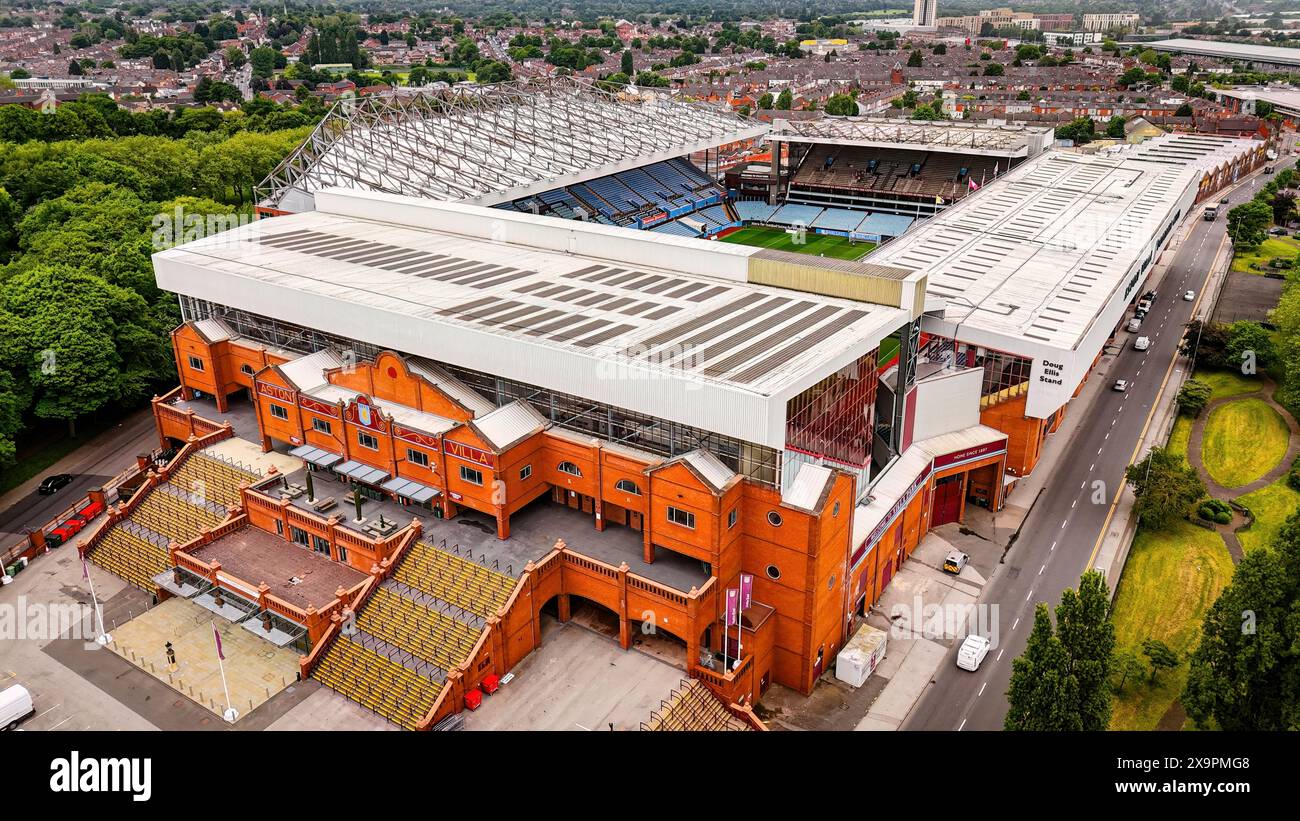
636 419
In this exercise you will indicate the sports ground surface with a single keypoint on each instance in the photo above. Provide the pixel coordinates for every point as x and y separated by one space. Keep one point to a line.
815 244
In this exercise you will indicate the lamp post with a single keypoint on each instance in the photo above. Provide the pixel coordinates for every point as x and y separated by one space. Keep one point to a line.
311 489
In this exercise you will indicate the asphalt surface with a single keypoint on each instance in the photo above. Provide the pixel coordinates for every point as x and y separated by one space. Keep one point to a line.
1060 533
100 459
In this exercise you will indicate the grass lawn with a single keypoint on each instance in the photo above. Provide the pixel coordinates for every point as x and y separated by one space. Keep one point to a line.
1179 436
1243 441
1227 383
815 244
1170 580
1272 247
1271 506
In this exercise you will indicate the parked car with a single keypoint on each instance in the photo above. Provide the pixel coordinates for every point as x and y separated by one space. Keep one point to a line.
1142 343
1134 323
1188 296
1149 296
1277 231
972 652
15 705
955 562
1223 201
55 483
1120 385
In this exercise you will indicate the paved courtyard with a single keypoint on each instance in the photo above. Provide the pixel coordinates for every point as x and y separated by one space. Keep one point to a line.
255 670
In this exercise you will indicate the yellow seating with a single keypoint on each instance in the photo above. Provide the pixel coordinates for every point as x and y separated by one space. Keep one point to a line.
466 584
377 683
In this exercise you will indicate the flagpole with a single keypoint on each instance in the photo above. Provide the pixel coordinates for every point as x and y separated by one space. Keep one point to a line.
231 713
103 638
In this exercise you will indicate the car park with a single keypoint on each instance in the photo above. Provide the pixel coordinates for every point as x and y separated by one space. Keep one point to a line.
1120 385
55 483
1142 343
972 652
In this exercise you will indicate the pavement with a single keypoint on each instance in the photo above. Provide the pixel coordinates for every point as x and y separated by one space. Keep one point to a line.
98 460
1080 513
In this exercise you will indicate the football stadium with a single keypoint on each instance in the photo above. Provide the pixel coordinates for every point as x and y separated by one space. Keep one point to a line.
501 358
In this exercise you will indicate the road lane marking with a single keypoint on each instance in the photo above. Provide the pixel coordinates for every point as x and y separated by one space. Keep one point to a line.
981 692
1137 447
1030 593
963 724
1014 626
1000 652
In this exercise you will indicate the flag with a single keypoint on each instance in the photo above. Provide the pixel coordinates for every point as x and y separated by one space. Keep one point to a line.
85 571
746 590
995 169
216 634
974 186
733 611
938 200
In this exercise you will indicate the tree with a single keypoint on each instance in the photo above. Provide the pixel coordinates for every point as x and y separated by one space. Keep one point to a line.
915 59
1248 222
842 105
1283 204
1081 130
1184 110
1161 656
994 70
784 100
1165 487
1115 128
764 103
1125 666
626 65
84 344
1062 681
1193 397
1245 673
1249 343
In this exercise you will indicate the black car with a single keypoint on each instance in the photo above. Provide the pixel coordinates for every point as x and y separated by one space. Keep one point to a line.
53 484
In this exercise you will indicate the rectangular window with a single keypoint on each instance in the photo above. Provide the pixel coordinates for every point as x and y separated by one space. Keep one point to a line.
681 517
417 457
731 519
320 425
279 528
320 545
367 441
196 363
474 477
279 411
298 535
343 554
525 471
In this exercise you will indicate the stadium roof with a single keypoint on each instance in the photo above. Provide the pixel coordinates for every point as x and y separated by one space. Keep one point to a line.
952 136
493 143
1284 98
567 305
1042 262
1229 51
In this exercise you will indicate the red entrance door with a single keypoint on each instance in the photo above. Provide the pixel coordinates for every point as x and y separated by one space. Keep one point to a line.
947 500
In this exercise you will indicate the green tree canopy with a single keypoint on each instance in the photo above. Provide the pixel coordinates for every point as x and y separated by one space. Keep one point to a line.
1165 487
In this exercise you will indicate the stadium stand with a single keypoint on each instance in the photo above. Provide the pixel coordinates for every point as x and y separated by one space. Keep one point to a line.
374 681
892 171
795 214
418 624
755 210
838 219
676 228
693 708
193 499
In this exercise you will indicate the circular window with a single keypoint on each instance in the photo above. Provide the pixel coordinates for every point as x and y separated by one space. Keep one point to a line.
774 518
773 572
835 511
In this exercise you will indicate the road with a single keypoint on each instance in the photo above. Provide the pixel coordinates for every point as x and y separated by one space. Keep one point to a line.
1060 534
98 460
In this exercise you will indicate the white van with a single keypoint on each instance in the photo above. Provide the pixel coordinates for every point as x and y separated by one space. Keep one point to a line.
972 652
15 705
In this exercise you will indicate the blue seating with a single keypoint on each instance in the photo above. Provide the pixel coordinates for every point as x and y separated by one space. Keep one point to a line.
838 219
794 214
755 210
676 229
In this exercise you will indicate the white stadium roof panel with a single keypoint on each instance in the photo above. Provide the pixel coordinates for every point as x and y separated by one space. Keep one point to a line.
713 351
491 144
1013 140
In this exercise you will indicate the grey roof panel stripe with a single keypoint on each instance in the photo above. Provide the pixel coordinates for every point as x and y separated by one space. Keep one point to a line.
767 343
699 322
608 333
466 307
580 330
776 360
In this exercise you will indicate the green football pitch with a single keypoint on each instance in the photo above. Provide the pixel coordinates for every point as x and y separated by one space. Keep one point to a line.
815 244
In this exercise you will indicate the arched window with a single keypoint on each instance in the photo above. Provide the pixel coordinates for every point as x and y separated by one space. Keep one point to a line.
627 486
569 468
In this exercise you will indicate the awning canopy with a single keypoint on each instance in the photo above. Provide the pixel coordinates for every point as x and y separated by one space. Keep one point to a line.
362 472
313 454
414 491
